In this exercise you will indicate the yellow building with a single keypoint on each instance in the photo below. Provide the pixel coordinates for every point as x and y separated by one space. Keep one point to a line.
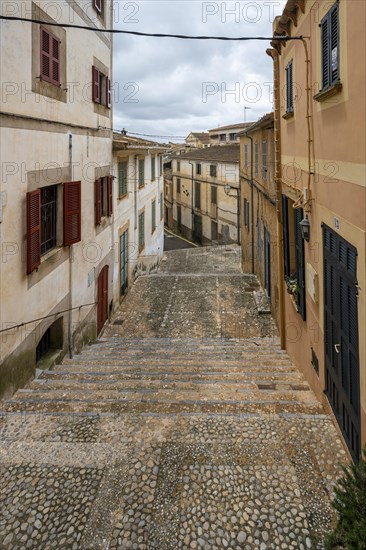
320 180
258 207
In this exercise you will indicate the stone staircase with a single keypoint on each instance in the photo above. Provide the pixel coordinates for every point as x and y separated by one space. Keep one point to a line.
170 376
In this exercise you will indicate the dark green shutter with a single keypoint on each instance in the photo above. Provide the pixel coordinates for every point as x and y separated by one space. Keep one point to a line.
300 263
122 178
286 244
325 52
334 43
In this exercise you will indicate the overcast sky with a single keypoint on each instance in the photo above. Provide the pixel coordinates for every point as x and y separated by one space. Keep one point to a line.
171 87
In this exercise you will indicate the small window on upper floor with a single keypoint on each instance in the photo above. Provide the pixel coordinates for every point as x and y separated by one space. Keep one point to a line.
256 159
289 88
199 168
329 28
50 57
246 156
213 170
222 137
232 137
178 165
101 88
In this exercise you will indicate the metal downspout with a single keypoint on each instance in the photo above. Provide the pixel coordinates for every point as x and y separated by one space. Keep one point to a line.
251 199
71 259
278 182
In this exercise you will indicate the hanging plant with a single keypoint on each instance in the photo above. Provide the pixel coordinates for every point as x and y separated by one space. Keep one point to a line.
291 282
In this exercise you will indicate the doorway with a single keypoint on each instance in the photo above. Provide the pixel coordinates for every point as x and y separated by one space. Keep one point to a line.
102 298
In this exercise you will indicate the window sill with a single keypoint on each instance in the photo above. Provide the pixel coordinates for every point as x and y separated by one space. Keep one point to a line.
329 92
50 254
288 115
123 197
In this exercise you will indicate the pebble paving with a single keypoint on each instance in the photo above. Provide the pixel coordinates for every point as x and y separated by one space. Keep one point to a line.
156 479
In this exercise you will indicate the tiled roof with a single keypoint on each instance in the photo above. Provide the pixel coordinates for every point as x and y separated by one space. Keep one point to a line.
220 153
232 127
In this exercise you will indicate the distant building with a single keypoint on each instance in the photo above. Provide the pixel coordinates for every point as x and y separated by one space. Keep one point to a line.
258 207
204 210
139 208
224 135
198 139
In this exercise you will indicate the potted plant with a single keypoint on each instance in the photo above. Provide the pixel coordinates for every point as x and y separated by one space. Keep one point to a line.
291 282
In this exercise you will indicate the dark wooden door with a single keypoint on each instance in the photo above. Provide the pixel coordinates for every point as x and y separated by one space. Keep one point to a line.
179 218
102 298
123 262
342 371
267 261
197 232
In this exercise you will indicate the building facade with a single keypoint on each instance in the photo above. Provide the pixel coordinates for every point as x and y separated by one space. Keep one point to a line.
198 139
139 209
320 178
203 209
258 207
57 259
227 135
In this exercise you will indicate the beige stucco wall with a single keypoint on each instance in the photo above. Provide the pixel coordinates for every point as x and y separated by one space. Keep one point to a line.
45 142
126 215
338 185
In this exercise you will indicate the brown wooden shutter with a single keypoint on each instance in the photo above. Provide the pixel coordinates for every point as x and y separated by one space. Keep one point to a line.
72 212
55 60
45 54
98 202
109 93
96 84
33 230
110 196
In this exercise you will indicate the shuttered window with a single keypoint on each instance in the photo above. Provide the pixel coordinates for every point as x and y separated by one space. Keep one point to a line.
98 201
108 92
286 243
141 231
199 168
96 85
264 160
256 159
122 178
109 195
161 206
153 161
50 57
329 28
300 262
33 230
72 212
160 166
289 88
259 242
213 194
178 186
246 156
246 214
213 170
141 172
153 216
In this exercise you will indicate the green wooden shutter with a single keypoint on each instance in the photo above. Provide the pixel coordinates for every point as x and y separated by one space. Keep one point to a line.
334 43
286 244
325 52
300 263
152 167
141 172
122 178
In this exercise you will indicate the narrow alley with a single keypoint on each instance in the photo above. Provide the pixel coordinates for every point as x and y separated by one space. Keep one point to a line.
184 426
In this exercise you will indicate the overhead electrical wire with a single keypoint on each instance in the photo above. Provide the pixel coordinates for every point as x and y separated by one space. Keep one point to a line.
154 35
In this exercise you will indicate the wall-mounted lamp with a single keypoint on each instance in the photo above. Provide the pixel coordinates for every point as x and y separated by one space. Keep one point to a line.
227 188
305 229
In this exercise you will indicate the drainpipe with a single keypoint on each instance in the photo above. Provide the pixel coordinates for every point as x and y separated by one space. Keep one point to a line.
278 182
251 198
71 259
191 163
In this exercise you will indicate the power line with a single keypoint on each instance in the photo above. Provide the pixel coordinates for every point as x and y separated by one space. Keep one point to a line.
155 35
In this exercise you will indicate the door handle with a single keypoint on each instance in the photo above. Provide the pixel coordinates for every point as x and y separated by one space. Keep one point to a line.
337 347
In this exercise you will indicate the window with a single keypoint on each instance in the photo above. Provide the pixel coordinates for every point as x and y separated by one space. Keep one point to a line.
214 231
329 27
50 57
199 168
246 214
213 194
178 165
178 186
294 253
259 242
246 156
141 172
222 137
48 218
141 231
289 88
213 170
99 6
232 137
42 235
160 165
122 178
256 159
153 167
101 88
197 194
153 216
264 160
103 198
161 206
